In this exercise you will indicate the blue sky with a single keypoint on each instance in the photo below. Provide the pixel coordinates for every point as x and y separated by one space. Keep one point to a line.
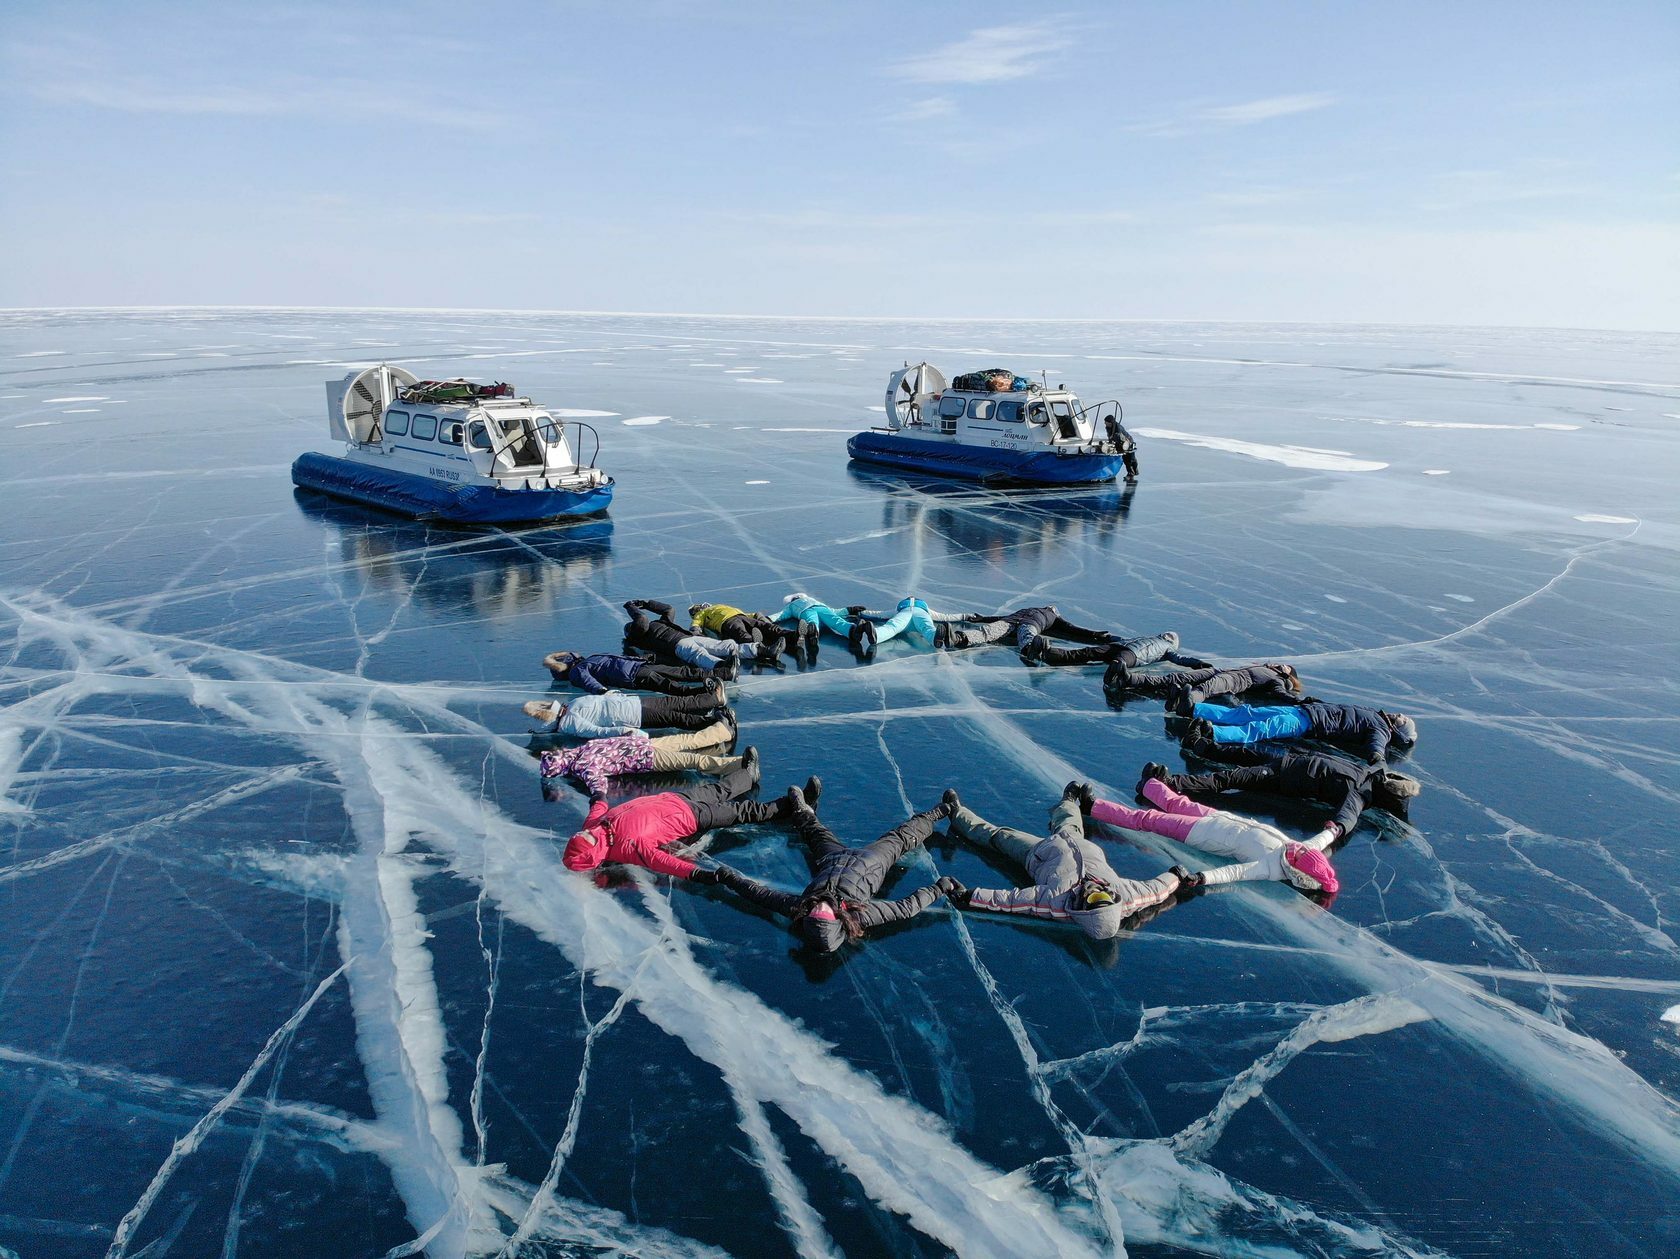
1428 163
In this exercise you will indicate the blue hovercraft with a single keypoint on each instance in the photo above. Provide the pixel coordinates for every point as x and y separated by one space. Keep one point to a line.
997 428
454 451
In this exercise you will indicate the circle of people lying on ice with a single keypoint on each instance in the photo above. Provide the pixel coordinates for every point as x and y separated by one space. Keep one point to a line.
685 668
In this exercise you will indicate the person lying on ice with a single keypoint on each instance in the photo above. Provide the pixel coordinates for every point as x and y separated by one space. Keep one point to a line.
1072 880
640 832
839 903
1032 631
1371 729
620 712
726 621
1349 786
651 628
1182 689
592 764
600 673
810 612
912 616
1256 850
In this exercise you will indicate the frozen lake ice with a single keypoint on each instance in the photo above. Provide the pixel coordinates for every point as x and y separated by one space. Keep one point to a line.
291 966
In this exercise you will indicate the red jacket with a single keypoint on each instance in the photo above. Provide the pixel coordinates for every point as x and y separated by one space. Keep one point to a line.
634 834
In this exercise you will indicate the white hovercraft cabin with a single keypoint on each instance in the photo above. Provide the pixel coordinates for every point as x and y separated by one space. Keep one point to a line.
996 427
454 451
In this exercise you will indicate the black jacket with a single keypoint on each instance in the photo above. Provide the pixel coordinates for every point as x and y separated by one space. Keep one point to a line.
656 632
1341 783
840 877
1255 683
1350 724
1047 620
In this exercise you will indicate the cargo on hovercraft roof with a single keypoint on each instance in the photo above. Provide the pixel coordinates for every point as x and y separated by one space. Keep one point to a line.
455 451
996 427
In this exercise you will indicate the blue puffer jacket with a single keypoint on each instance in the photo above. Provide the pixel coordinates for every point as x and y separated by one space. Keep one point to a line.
600 673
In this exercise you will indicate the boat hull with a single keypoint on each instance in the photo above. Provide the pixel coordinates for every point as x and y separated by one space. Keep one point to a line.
983 463
426 499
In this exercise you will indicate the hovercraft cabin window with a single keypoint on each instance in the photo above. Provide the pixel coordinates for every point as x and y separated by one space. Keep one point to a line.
450 433
1009 412
980 408
425 427
396 423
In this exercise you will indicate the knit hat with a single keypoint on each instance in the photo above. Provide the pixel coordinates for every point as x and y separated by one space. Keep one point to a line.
1096 896
1405 729
799 595
1309 870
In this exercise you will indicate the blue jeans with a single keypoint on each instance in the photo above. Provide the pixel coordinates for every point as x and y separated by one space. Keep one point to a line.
1242 724
708 653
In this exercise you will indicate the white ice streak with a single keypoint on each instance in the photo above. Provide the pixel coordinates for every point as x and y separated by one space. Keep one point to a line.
11 760
1593 518
397 789
1577 1070
1290 456
195 1138
1364 1016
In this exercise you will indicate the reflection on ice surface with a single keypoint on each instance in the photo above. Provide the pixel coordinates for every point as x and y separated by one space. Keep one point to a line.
294 966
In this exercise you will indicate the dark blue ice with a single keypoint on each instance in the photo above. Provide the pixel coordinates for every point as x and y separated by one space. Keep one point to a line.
290 965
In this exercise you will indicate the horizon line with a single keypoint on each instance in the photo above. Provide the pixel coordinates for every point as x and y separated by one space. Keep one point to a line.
671 314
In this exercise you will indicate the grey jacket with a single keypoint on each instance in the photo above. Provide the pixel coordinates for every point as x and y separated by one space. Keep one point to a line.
1062 868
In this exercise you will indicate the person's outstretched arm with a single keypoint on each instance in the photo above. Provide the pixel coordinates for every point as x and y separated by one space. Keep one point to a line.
760 894
661 861
1238 872
878 913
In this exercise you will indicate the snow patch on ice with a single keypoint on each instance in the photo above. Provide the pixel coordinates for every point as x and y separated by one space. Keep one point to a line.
1435 472
644 420
80 397
42 353
1460 598
1593 518
757 380
1672 1014
578 413
1335 598
1291 456
1561 428
39 424
755 483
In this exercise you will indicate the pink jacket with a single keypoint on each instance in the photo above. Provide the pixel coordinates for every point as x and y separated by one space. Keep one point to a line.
634 834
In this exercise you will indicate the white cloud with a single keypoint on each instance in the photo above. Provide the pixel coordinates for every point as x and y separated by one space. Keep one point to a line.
1197 116
993 54
927 109
1267 108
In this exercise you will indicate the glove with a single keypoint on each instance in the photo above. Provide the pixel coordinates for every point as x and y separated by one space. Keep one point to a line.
1187 881
1329 835
855 609
706 876
955 892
